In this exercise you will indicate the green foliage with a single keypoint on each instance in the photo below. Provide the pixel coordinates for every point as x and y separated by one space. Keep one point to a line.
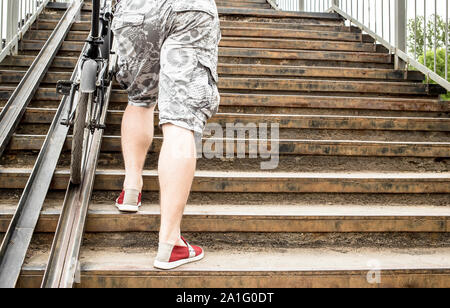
440 64
416 34
440 61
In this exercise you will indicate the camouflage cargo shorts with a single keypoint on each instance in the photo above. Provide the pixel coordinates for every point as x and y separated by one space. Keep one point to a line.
168 54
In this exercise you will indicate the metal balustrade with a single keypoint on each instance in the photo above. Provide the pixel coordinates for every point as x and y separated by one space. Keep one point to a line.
388 22
16 17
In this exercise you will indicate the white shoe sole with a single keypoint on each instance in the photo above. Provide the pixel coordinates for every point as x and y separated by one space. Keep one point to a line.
172 265
128 208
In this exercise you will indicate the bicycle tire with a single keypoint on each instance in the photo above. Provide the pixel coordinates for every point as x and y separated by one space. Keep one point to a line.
78 138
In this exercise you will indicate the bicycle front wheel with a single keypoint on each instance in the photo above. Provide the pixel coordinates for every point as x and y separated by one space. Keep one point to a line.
78 139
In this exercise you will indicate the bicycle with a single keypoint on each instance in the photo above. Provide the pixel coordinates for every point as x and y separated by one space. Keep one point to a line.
90 87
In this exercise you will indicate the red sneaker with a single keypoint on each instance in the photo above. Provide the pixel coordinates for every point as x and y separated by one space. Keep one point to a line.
170 256
129 201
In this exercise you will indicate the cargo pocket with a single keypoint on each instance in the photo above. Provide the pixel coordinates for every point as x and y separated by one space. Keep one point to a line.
123 25
123 20
208 104
178 66
127 29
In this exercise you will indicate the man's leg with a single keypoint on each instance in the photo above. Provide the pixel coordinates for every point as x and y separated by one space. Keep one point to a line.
137 136
177 162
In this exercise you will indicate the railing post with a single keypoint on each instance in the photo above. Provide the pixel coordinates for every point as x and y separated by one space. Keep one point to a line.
12 26
301 5
400 31
34 7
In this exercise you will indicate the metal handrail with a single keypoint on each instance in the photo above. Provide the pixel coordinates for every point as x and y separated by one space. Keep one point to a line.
386 21
16 18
